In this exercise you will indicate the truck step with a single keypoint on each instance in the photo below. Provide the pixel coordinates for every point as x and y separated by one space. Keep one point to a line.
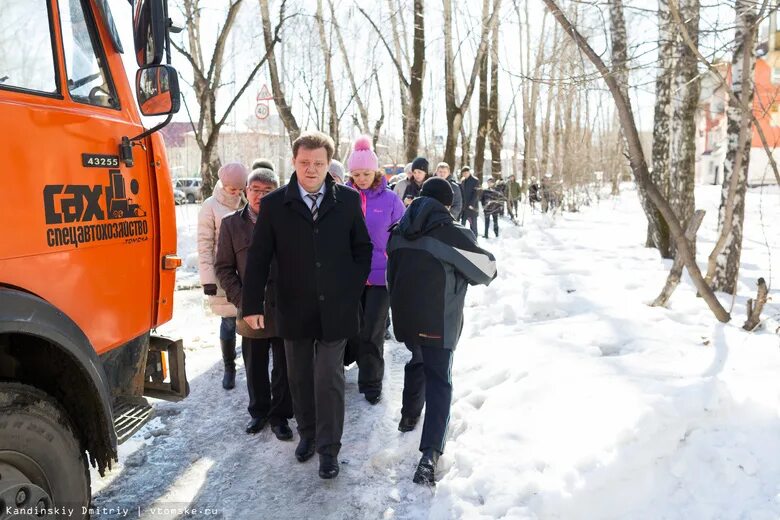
130 413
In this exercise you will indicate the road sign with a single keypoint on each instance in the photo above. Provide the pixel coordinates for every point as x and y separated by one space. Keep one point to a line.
264 93
261 110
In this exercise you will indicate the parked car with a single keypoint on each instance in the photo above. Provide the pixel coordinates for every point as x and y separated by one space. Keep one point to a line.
179 197
191 188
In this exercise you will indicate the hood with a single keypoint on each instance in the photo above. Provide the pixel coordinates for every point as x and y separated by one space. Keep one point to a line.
423 215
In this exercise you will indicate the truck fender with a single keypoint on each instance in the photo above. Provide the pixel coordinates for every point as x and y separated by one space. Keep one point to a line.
22 313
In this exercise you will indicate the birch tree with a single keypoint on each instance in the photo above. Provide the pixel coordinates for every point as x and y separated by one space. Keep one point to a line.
724 260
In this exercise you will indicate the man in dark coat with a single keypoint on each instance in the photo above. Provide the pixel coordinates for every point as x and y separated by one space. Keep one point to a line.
469 186
269 401
316 231
431 262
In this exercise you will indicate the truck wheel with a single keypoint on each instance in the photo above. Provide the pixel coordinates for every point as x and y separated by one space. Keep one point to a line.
41 462
191 198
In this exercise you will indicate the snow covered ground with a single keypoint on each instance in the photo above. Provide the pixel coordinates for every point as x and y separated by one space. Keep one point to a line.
573 398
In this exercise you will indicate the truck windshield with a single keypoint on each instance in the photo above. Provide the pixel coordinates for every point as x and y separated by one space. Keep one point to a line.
88 77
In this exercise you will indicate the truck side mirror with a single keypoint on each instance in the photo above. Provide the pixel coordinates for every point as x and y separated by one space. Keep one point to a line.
157 88
149 31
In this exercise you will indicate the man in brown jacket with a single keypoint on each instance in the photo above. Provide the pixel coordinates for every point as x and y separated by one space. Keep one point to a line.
268 401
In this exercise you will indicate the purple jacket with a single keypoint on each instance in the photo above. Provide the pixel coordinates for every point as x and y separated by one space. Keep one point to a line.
382 209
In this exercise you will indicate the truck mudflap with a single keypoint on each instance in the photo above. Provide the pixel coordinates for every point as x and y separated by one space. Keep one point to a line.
166 376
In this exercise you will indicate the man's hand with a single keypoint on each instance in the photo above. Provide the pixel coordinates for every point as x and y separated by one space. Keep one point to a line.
210 289
256 321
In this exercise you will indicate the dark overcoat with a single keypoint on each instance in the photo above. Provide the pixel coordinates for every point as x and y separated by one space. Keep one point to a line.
322 265
235 236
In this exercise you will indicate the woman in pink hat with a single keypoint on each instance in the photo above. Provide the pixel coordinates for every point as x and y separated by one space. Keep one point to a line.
382 208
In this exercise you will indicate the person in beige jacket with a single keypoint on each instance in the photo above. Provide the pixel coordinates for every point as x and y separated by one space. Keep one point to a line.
225 199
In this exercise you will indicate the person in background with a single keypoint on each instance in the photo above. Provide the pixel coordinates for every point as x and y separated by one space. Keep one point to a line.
336 170
443 171
225 199
400 186
492 205
315 230
269 401
469 186
382 208
419 174
262 162
431 262
513 194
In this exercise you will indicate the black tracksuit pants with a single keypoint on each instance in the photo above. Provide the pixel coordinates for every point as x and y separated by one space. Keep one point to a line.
494 216
272 398
369 344
428 381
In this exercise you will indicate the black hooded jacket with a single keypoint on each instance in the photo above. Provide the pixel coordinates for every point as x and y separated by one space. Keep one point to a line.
431 261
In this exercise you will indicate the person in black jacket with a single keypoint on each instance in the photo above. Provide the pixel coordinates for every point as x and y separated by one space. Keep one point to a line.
316 231
419 174
431 262
492 205
469 187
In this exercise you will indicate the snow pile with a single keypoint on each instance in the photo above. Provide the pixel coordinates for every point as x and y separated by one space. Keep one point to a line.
573 398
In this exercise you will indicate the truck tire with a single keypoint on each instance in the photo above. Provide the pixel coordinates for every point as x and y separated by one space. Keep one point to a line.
41 461
191 198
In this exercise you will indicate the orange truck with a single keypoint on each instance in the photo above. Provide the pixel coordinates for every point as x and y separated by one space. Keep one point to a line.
87 246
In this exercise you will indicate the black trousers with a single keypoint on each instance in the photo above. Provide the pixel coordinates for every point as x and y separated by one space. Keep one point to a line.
472 219
315 369
494 216
428 381
272 398
369 344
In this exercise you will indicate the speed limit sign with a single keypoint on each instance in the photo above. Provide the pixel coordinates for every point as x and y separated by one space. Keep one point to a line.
262 111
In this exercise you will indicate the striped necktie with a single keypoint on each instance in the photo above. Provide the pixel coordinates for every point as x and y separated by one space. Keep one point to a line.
314 209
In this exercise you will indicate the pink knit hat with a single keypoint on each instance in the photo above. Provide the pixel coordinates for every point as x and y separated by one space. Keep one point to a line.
233 175
362 157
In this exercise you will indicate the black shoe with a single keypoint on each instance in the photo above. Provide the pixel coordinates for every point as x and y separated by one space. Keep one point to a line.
282 432
305 449
229 379
426 468
373 398
407 424
255 425
329 466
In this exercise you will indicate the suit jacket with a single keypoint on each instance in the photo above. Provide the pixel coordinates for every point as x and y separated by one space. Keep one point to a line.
323 264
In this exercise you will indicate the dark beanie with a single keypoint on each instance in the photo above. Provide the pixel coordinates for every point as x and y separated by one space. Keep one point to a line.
421 163
439 189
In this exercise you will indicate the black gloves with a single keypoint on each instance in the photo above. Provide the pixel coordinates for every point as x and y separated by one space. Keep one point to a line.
210 289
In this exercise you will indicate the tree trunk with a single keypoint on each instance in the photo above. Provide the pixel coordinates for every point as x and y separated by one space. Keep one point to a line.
658 236
685 86
482 118
465 148
285 112
732 208
417 74
494 127
325 46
